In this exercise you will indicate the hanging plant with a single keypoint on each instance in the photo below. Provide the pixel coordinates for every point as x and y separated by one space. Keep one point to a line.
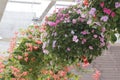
72 35
108 13
29 60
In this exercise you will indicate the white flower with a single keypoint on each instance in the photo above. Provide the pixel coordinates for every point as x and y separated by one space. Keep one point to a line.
72 32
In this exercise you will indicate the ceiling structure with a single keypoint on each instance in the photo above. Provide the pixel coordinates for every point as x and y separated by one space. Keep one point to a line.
2 7
33 2
16 14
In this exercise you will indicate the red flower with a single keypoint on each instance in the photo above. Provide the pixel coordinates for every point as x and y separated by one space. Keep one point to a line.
85 2
85 62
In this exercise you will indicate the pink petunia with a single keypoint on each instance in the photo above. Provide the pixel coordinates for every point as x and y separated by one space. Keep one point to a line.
95 36
84 40
45 51
50 23
102 4
107 11
103 29
92 11
89 21
84 32
83 15
101 39
74 21
117 4
68 49
113 14
75 38
78 11
104 18
91 47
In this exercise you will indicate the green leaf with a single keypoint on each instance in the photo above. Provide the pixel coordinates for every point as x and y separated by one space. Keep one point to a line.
113 38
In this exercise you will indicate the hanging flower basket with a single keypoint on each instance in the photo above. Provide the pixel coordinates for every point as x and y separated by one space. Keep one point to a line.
72 35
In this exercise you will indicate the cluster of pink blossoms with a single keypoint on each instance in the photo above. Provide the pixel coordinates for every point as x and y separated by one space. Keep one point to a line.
13 43
18 74
108 11
2 66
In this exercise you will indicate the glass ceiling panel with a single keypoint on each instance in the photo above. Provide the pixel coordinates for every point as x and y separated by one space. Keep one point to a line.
36 6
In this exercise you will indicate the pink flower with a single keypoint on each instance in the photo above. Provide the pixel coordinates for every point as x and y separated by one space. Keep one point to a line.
68 49
113 14
57 21
50 23
54 44
101 39
102 44
103 29
117 4
75 38
78 11
62 73
90 47
45 51
84 32
67 20
19 57
26 54
93 31
26 59
84 40
97 74
74 21
83 15
81 19
102 4
95 36
1 70
25 73
107 11
89 21
104 18
92 11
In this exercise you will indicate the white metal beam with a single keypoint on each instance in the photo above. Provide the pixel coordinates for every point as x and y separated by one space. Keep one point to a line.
2 7
51 4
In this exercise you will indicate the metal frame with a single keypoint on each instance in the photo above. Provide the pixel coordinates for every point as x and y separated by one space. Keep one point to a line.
51 4
2 7
25 2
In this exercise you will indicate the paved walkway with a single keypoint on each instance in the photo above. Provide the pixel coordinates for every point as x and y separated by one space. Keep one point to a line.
109 64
